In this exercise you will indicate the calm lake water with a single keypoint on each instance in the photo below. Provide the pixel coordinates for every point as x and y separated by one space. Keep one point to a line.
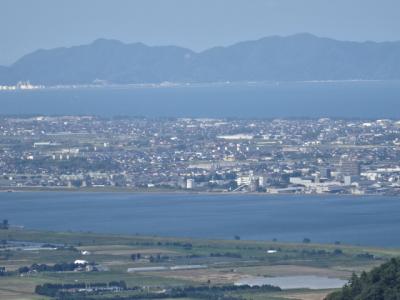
268 100
373 221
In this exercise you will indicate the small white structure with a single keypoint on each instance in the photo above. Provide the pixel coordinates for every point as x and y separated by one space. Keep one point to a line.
262 181
190 184
80 262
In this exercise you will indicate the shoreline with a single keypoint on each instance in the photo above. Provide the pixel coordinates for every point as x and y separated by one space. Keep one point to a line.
278 243
168 85
173 192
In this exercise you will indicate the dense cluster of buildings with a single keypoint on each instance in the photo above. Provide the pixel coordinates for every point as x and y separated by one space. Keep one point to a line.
210 155
21 86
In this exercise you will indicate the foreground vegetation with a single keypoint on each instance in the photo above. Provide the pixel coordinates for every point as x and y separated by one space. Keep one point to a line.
381 283
168 268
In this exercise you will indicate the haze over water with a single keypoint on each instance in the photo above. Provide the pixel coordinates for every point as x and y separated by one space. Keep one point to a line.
354 99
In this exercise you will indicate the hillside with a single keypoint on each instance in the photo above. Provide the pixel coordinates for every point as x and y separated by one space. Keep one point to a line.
297 57
382 283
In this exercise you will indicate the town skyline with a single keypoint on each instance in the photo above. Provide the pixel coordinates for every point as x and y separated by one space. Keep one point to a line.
308 156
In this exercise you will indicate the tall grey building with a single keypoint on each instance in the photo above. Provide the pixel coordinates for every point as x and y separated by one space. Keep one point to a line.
349 167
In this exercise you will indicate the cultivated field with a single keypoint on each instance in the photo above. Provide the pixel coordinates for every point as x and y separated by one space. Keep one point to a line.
183 263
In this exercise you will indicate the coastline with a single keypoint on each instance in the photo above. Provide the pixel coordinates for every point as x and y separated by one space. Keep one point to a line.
110 190
163 85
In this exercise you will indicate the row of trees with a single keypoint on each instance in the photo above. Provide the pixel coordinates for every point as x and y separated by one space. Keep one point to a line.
152 259
226 254
60 267
66 291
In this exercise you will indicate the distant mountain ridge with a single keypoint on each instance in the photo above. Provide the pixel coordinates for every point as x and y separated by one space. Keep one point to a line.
296 57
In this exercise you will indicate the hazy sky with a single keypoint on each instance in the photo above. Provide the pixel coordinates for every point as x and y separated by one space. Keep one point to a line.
26 25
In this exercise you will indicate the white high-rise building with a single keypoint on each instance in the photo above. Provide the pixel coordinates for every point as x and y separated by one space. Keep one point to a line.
190 184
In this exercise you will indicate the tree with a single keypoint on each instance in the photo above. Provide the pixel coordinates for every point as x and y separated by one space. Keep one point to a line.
4 224
381 283
337 252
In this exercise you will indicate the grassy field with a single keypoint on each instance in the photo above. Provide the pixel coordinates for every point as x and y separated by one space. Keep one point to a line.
226 262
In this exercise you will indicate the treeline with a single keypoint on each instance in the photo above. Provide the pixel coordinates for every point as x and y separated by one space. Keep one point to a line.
226 254
185 245
162 258
152 258
381 283
60 267
4 225
79 291
64 291
3 271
